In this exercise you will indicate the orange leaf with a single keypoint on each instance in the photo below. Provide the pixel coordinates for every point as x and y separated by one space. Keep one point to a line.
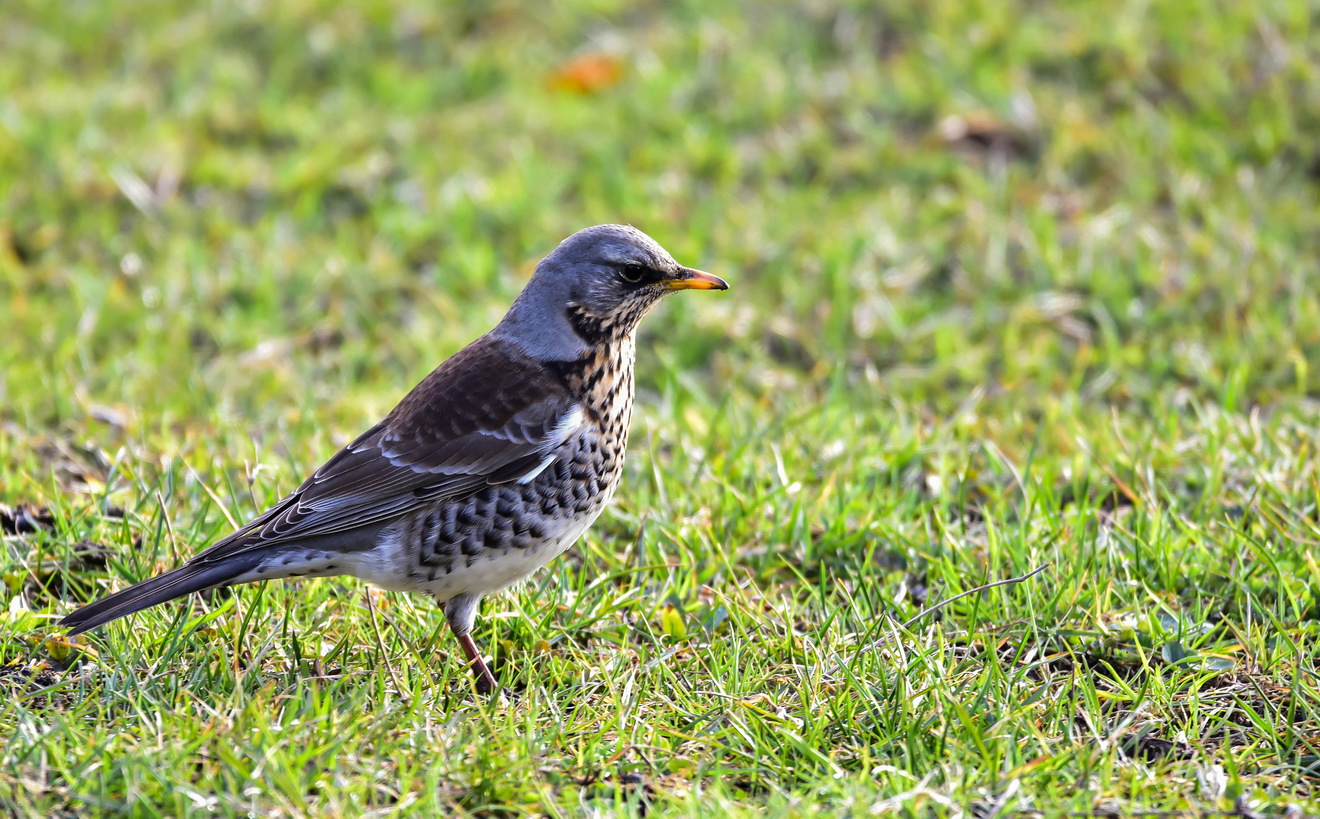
588 74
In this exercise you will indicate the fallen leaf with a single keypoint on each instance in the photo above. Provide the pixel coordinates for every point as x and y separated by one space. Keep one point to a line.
62 649
587 74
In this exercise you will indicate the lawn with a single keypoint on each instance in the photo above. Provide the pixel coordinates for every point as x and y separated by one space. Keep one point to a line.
1013 284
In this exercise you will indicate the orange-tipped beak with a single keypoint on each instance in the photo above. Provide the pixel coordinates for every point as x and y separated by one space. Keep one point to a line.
690 279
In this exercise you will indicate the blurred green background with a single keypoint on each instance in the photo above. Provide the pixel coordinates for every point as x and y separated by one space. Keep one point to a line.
1011 282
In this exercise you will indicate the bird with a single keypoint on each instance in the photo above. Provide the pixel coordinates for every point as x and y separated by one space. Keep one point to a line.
492 466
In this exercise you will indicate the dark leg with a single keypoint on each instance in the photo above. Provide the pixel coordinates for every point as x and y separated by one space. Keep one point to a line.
485 680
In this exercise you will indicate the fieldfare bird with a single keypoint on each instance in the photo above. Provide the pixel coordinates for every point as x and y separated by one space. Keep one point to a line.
490 468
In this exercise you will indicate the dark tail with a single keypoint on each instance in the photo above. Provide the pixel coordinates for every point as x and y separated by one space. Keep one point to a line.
186 579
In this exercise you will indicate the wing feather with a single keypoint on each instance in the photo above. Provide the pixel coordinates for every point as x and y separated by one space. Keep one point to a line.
489 415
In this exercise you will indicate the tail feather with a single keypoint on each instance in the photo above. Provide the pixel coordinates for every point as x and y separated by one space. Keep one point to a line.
182 581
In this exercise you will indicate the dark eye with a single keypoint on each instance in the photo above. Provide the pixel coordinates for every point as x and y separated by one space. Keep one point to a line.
632 273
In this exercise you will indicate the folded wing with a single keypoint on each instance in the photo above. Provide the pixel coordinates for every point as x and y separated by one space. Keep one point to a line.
490 415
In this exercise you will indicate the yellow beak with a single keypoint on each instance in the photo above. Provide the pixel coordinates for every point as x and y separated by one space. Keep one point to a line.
689 279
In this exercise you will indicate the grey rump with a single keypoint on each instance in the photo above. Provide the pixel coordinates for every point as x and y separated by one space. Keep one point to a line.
489 468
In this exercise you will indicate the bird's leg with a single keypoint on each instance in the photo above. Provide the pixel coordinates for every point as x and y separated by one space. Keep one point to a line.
461 612
485 680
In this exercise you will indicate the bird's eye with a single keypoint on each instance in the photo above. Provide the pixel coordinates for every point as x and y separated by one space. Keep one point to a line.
632 273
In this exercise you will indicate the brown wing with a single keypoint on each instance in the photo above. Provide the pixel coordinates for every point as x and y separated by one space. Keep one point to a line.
487 416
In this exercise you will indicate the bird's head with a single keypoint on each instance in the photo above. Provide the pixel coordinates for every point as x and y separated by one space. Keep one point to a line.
595 288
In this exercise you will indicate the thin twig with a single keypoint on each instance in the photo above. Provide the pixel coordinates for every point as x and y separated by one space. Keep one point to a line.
224 510
380 643
924 612
169 526
1007 582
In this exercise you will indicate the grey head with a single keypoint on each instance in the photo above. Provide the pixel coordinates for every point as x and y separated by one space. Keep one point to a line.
594 289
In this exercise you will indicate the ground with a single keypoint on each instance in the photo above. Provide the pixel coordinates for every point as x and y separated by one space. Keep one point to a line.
1013 284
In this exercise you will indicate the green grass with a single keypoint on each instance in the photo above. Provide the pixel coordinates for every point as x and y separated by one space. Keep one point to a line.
1013 283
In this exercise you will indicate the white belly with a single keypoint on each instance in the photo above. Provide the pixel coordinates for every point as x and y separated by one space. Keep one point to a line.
388 565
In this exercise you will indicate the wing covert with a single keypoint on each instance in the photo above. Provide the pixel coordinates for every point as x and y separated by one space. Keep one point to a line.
487 416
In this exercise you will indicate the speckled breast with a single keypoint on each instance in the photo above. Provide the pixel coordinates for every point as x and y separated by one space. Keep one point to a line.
501 534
